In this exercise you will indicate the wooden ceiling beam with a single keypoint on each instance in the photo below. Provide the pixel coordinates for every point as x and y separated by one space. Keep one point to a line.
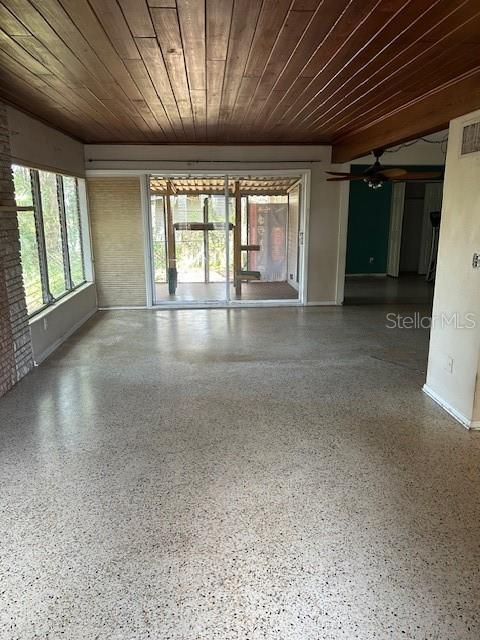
425 115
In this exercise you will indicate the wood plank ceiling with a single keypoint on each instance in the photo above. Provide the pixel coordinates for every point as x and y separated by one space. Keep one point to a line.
252 71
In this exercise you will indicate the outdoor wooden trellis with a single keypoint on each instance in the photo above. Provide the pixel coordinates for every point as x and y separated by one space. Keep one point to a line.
251 186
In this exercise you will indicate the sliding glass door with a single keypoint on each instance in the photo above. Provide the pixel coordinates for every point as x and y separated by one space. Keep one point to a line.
220 239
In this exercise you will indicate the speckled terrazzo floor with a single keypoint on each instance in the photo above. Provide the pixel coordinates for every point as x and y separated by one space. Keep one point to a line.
247 474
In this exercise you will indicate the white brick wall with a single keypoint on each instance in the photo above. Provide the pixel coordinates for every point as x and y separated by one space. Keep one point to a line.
15 344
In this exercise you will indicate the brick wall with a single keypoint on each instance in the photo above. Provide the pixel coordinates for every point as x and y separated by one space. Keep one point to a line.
117 240
15 344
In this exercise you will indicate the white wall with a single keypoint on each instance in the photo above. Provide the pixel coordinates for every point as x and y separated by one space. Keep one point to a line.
457 288
415 154
36 145
325 209
59 321
157 156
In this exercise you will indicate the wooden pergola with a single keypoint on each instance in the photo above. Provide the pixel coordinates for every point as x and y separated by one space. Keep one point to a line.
249 186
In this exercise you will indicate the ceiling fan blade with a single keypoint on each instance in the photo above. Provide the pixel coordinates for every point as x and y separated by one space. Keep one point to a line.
344 175
392 173
347 177
419 175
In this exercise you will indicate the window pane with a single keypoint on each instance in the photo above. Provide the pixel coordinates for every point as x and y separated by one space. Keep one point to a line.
74 235
30 261
28 240
23 186
53 236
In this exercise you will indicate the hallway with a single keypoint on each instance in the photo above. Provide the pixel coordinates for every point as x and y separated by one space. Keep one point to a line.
233 474
407 289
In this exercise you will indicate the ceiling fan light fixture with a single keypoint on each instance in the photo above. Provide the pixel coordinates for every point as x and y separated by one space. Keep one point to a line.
376 175
373 183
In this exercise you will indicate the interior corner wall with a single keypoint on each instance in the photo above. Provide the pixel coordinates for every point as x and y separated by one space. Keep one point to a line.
323 237
452 375
324 206
15 343
37 145
116 224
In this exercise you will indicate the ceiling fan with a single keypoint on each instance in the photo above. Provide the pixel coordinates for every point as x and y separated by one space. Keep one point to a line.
376 175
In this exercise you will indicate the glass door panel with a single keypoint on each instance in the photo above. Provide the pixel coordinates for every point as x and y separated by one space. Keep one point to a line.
189 238
268 253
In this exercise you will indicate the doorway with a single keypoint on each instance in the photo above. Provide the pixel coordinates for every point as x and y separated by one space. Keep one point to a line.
410 249
226 240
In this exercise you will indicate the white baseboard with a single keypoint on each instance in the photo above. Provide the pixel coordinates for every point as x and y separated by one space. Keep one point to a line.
323 303
459 417
39 359
234 304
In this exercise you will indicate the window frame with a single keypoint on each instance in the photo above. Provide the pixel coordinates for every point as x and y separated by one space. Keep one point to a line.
48 298
67 273
82 230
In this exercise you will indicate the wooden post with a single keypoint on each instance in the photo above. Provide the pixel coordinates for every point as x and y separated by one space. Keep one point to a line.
237 241
206 252
172 262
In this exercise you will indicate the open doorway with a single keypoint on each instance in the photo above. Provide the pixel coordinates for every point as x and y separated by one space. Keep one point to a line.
220 240
402 241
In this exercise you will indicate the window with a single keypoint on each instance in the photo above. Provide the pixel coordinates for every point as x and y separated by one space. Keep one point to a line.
74 233
53 233
50 235
32 278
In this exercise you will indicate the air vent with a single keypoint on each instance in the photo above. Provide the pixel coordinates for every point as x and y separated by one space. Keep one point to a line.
471 138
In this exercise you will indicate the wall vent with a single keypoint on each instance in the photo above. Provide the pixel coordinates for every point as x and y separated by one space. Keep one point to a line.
471 138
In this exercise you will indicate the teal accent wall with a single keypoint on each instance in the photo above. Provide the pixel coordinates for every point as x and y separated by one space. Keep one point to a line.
369 222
